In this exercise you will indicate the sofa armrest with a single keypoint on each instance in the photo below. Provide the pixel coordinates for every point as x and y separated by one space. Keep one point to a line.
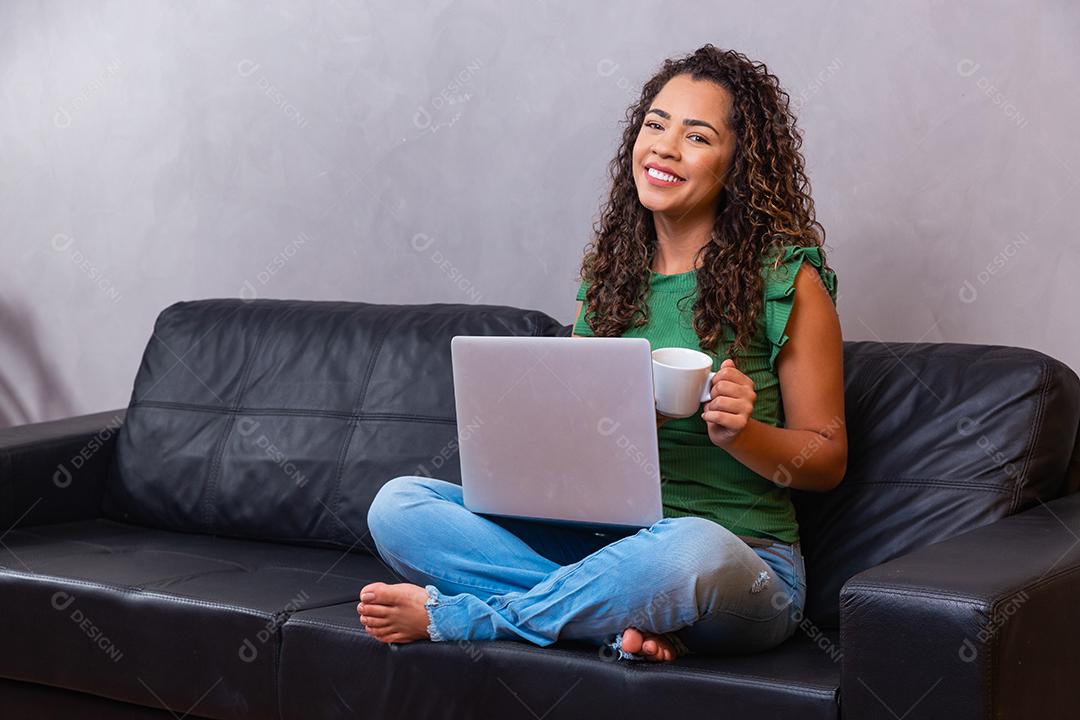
55 471
981 625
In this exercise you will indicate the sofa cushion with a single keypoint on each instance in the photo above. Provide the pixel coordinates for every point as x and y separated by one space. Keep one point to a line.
359 676
943 438
281 419
159 618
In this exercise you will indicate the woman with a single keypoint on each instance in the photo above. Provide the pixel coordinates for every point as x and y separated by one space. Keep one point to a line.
708 241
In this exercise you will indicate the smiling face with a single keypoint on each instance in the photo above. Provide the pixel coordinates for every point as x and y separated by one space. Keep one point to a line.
686 140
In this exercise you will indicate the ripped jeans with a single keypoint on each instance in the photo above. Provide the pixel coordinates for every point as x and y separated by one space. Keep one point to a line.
705 588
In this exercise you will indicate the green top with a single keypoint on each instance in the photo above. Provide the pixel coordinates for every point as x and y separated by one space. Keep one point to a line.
698 477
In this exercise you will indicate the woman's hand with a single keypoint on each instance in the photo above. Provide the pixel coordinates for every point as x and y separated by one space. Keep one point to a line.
732 403
661 419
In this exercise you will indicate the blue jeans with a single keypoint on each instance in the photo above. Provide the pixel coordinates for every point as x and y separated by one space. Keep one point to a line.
492 578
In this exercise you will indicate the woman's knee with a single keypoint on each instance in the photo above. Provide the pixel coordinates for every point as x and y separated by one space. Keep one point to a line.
386 506
696 532
709 551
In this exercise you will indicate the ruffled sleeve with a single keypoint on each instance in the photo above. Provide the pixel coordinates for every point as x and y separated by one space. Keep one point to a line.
581 328
780 292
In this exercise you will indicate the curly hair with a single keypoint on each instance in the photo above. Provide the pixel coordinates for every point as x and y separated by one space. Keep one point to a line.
764 206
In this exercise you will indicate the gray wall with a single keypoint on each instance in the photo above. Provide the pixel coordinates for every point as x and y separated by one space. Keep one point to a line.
456 151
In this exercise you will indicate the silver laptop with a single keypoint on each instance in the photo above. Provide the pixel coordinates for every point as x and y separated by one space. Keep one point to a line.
561 429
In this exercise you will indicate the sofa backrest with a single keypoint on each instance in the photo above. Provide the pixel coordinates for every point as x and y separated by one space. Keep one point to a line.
942 438
281 419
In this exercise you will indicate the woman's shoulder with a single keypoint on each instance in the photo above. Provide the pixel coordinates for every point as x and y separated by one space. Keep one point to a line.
779 269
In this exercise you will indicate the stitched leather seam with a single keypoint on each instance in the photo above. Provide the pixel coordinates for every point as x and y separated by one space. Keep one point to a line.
354 423
230 421
358 629
299 540
1036 429
772 684
965 350
192 407
323 545
925 482
279 647
261 615
916 591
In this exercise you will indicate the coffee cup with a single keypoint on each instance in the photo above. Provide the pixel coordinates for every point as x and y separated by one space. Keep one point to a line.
681 380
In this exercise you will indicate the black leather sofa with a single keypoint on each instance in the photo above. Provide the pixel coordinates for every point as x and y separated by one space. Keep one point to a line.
199 554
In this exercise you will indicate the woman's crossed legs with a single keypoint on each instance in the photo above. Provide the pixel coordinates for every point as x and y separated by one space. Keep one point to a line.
687 580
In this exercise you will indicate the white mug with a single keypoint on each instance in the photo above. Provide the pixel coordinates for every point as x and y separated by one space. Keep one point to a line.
682 380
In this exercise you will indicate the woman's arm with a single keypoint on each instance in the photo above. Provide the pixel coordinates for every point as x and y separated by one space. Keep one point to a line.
810 451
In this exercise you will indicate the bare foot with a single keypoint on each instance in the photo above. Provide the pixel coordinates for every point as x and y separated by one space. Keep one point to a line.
654 647
394 613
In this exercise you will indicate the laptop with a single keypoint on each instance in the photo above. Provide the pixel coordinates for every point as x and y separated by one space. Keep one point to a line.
561 429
